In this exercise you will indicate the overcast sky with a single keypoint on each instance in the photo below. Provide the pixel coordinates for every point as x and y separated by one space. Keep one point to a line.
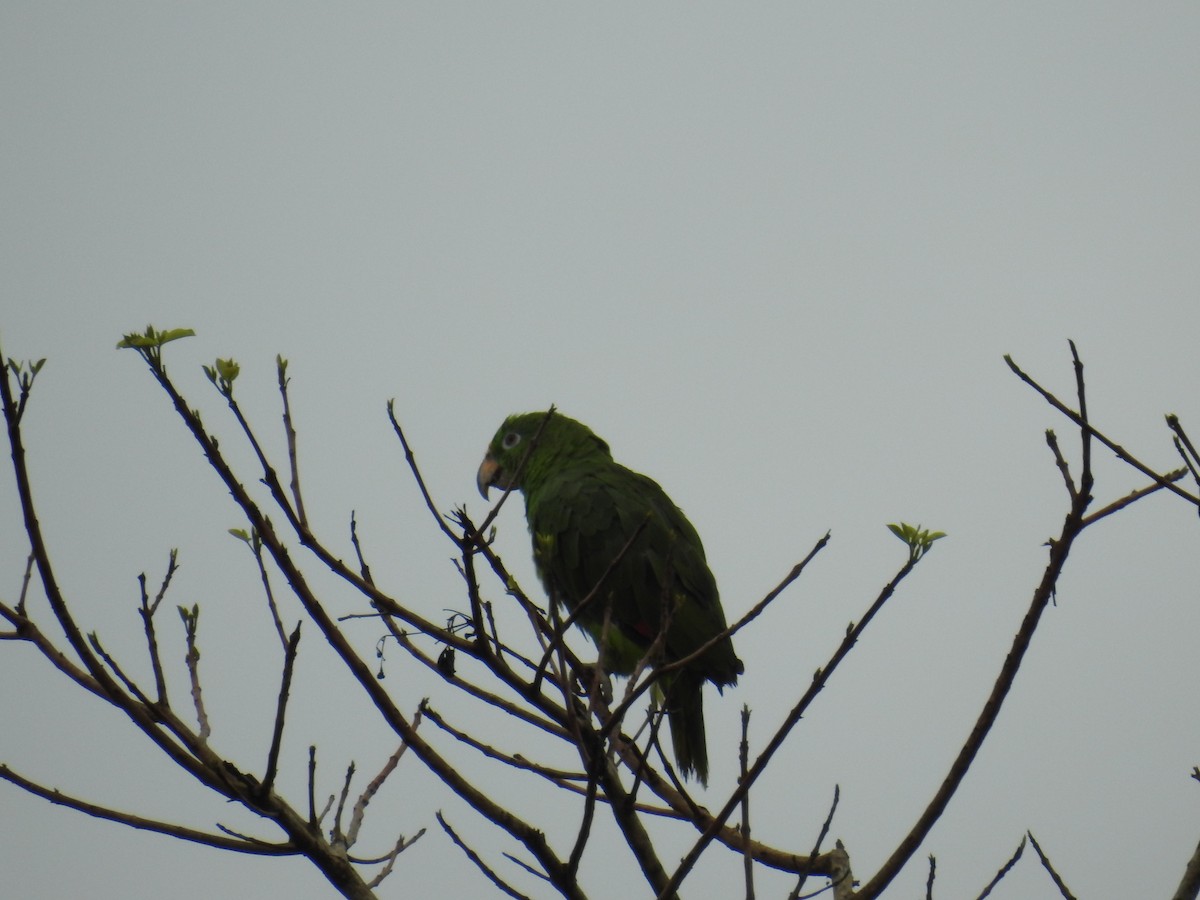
773 254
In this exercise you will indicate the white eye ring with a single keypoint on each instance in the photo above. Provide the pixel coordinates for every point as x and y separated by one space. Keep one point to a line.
510 440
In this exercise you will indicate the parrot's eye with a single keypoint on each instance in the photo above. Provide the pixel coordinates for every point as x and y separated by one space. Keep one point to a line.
510 440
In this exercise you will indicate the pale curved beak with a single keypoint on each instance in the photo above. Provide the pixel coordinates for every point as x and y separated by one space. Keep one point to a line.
488 474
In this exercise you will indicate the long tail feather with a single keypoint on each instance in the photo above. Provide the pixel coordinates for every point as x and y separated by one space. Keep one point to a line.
685 712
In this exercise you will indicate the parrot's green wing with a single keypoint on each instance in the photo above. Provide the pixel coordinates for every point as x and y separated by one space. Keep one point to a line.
614 529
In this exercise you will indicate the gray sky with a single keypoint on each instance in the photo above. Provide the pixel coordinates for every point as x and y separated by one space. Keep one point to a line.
773 255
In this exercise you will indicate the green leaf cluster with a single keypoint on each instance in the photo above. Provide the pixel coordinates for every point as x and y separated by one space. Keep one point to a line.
150 342
918 539
26 371
222 374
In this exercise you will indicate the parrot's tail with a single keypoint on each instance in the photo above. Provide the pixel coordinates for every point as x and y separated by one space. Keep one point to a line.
684 702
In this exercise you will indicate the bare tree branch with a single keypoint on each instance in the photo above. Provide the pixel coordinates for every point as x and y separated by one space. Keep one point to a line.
1117 449
743 763
483 867
147 611
821 835
221 842
289 662
1132 497
281 365
1189 887
547 687
1048 866
1004 869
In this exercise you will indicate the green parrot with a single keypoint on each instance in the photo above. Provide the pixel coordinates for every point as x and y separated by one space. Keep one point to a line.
583 509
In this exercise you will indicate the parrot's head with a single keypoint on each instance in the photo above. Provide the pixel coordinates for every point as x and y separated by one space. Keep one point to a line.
530 445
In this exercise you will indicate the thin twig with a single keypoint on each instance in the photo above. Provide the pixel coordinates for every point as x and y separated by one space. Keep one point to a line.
336 835
191 621
549 725
290 431
1132 497
483 867
270 476
389 861
147 611
743 761
57 797
1117 449
634 832
476 600
1060 461
1085 435
1175 426
590 745
58 604
25 584
591 789
372 788
1049 867
289 662
312 786
249 839
567 780
1189 885
1187 459
515 760
411 459
363 568
256 547
821 835
1004 869
130 685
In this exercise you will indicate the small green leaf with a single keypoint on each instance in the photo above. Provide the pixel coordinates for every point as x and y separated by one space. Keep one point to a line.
175 334
222 374
228 369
